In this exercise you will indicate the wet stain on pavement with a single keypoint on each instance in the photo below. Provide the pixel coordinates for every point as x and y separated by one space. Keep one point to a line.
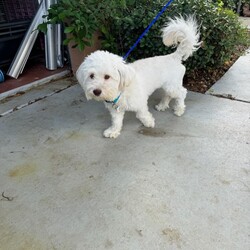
160 133
23 170
152 132
246 171
225 182
12 239
109 244
173 236
73 135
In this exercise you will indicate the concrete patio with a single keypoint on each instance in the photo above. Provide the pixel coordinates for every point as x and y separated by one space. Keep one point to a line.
183 185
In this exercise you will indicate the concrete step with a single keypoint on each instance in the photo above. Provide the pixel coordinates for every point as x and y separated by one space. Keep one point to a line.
24 98
245 21
235 84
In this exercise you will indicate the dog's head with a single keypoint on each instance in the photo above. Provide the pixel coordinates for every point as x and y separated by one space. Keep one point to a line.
103 76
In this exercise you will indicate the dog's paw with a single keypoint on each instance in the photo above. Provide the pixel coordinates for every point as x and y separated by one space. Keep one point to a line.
149 123
111 133
179 111
161 107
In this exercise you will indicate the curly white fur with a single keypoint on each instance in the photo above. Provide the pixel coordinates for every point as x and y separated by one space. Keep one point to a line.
105 76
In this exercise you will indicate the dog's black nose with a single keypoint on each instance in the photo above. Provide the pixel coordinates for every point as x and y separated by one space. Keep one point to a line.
97 92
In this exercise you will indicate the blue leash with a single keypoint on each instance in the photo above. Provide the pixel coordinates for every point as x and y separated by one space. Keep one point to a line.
147 29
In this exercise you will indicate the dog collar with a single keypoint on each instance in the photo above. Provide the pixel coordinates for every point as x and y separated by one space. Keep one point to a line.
114 102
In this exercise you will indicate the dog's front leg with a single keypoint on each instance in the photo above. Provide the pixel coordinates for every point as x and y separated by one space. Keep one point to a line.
117 120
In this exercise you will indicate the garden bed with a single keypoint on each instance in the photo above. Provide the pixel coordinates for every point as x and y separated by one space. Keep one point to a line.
203 79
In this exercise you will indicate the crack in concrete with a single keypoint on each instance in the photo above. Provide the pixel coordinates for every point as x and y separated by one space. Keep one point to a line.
228 96
35 100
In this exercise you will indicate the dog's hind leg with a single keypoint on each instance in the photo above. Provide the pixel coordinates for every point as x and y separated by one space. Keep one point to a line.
164 103
179 107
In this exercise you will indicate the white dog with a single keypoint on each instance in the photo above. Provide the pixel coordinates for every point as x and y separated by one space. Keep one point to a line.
127 86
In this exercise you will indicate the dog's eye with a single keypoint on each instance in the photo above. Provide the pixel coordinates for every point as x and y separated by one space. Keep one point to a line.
92 76
106 77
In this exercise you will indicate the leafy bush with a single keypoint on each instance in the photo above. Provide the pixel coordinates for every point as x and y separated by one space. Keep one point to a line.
81 18
220 30
229 4
122 21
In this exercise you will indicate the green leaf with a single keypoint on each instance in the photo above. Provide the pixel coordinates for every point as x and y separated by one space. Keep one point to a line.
68 30
67 41
42 27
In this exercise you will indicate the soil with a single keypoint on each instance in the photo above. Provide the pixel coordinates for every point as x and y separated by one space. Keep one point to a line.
201 80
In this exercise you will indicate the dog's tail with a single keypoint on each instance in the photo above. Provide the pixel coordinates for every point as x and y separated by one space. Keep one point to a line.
184 34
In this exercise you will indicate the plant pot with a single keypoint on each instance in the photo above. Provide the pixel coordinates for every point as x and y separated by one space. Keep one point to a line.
77 56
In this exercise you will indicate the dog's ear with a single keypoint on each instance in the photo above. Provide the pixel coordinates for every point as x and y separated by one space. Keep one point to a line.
127 74
81 76
88 97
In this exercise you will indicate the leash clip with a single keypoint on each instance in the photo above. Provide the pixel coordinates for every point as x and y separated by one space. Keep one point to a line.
116 107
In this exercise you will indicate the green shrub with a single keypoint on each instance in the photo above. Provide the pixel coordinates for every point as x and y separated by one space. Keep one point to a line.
220 30
228 4
82 18
121 22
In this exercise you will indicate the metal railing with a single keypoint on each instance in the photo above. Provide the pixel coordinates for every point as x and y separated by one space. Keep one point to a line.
53 41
